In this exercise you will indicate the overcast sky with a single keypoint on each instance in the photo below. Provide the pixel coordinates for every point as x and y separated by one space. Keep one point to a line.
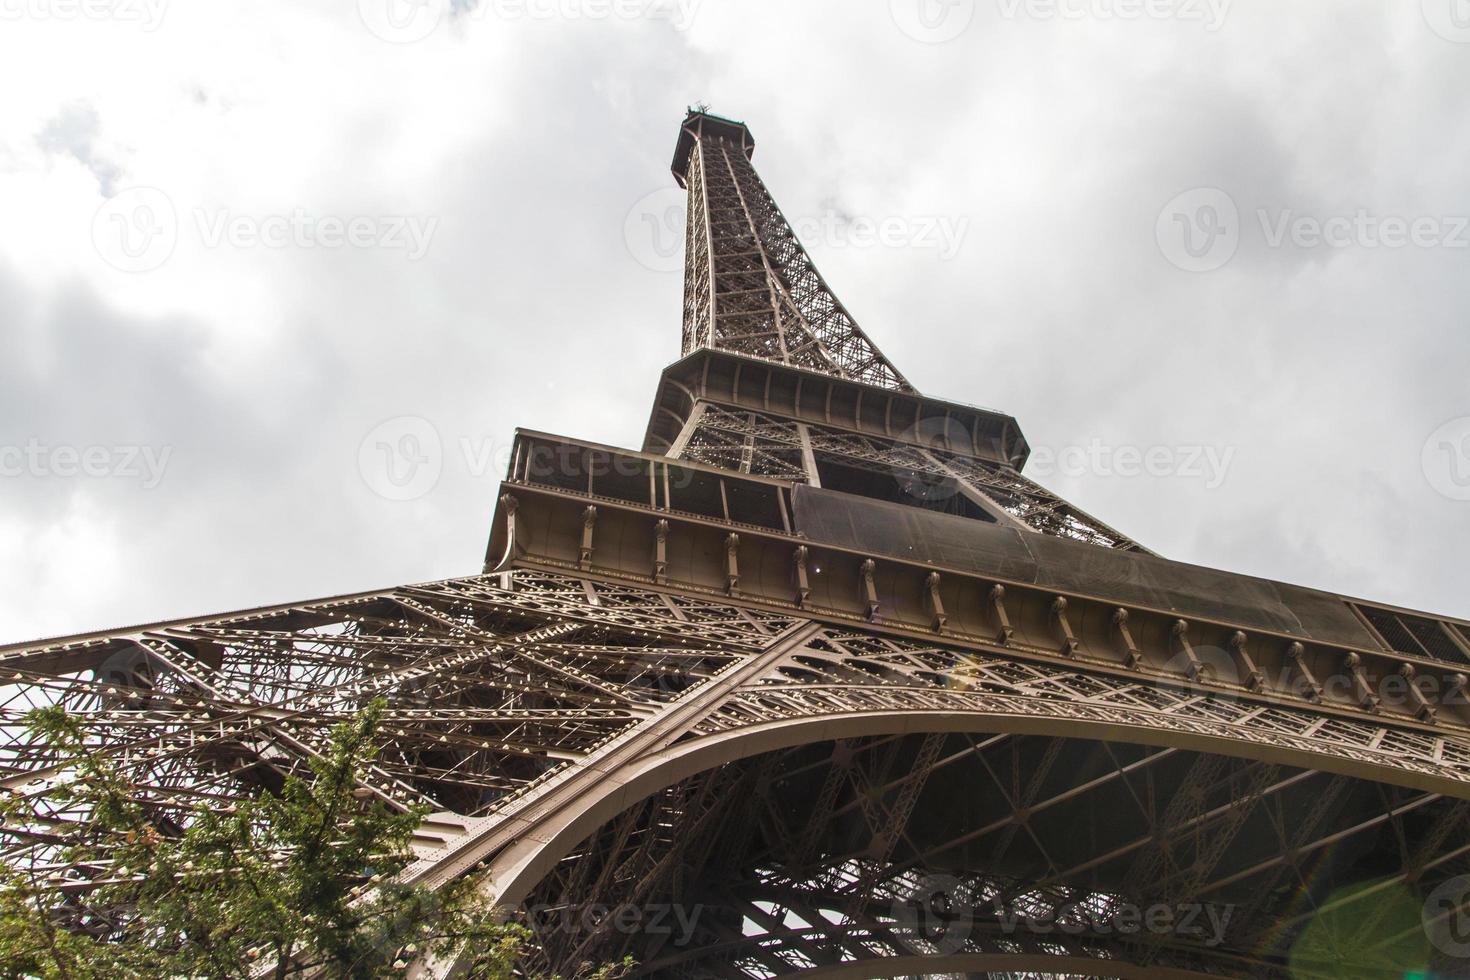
237 239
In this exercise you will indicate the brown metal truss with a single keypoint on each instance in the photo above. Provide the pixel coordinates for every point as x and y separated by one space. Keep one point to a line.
767 445
494 686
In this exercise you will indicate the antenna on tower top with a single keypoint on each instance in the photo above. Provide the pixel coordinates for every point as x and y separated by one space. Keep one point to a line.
700 107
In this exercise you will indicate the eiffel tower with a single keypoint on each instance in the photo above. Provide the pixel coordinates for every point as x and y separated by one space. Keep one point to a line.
818 683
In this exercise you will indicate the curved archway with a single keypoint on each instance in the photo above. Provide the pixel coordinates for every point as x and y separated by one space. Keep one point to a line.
518 867
1157 855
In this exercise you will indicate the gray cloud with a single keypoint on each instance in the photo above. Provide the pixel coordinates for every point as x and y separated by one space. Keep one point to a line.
1058 142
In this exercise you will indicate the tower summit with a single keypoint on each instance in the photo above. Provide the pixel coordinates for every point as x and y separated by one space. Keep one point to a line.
817 682
701 124
749 286
837 413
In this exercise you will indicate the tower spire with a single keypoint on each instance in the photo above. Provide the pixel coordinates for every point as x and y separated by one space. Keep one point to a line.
749 285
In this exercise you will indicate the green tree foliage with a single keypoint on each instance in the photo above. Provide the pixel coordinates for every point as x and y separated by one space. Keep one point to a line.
294 883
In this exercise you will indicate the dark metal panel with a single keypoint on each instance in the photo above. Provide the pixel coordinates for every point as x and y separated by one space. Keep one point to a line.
1130 579
881 528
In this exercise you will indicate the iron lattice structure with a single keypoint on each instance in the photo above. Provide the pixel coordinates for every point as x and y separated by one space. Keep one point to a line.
819 683
750 287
